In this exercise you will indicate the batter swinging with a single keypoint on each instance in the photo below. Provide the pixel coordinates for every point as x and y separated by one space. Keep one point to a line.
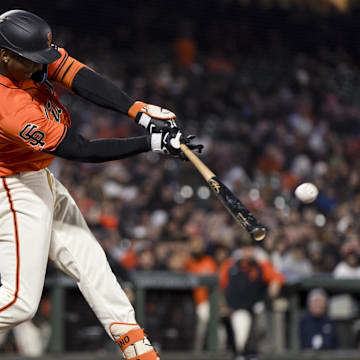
38 217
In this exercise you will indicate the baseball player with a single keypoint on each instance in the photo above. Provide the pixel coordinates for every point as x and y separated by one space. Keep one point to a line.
38 217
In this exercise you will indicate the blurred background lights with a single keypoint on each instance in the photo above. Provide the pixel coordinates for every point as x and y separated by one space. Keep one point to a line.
254 194
203 192
178 198
186 191
320 220
279 202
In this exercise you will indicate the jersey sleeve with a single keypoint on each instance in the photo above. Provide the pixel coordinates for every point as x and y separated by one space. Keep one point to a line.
64 69
270 273
224 273
30 128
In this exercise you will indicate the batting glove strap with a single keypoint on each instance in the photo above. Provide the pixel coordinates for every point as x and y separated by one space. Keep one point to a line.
154 125
144 120
157 142
130 338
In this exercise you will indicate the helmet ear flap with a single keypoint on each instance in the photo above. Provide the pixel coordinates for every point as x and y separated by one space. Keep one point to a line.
41 75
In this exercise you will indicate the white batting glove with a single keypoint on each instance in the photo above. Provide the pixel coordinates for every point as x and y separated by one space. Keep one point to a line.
166 141
152 117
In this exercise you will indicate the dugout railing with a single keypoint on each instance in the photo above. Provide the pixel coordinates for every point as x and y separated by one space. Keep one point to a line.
143 281
167 281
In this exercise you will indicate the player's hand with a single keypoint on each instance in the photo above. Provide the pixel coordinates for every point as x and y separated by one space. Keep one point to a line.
152 117
187 140
274 289
168 141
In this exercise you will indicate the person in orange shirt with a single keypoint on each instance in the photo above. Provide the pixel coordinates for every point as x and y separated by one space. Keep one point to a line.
244 278
199 263
38 217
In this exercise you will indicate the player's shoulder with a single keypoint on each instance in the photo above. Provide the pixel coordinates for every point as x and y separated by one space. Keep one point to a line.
16 106
209 260
13 97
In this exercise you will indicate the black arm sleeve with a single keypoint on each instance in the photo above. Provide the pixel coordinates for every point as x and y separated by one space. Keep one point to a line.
77 148
96 88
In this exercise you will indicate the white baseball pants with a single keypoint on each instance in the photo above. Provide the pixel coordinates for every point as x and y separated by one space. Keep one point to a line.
40 220
241 321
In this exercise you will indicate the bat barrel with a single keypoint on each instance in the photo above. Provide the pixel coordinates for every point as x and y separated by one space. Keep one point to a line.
235 207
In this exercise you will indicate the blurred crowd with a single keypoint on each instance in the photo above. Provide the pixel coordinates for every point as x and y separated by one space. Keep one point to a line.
269 121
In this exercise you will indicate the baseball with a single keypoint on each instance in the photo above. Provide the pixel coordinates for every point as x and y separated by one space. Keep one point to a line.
306 192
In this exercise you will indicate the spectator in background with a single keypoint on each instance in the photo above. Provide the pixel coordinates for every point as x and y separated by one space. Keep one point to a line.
176 261
296 264
199 263
220 253
349 267
185 47
245 279
346 306
146 260
317 331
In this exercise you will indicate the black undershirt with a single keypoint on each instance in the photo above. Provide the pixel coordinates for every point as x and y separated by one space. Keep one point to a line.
101 91
76 147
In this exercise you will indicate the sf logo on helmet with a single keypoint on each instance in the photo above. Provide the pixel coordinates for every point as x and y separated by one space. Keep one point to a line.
31 134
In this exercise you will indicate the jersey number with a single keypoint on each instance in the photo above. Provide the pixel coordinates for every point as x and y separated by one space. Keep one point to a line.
31 134
52 109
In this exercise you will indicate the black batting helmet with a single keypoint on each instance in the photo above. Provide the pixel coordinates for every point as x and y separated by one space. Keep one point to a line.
28 35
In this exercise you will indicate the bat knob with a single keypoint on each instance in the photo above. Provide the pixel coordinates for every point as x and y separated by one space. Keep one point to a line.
259 233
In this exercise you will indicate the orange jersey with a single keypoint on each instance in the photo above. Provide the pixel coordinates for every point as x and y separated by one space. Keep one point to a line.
32 119
204 266
268 271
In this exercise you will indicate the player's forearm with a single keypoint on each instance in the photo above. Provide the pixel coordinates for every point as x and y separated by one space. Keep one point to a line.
75 147
99 90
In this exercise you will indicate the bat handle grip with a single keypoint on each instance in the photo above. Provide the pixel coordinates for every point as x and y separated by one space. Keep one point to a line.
203 169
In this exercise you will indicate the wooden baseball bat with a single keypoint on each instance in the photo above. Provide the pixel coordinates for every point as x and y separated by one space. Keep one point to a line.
236 208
